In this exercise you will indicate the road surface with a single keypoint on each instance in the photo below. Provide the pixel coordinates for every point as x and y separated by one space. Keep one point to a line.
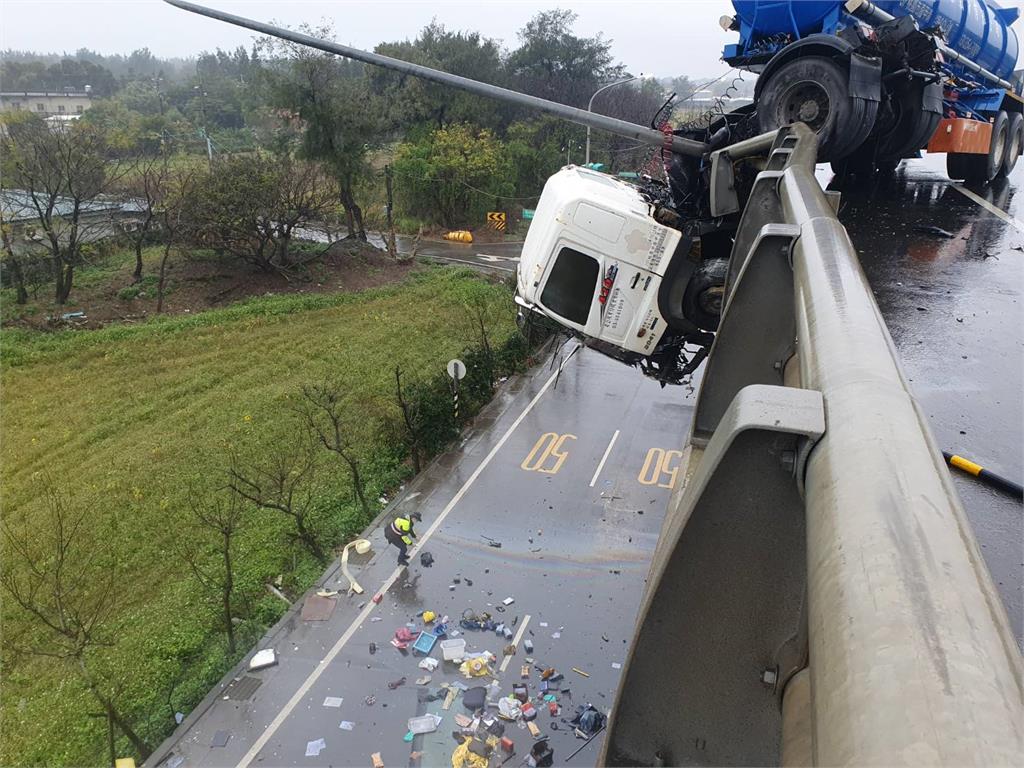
571 474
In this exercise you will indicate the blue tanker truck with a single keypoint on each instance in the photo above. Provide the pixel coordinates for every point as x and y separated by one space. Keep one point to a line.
880 81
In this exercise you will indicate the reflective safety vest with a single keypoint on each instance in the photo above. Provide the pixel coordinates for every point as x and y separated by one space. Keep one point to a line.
402 527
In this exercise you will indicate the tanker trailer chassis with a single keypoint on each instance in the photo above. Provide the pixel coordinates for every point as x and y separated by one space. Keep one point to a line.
880 81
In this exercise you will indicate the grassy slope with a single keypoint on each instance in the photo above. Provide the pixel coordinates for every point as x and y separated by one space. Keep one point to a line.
130 419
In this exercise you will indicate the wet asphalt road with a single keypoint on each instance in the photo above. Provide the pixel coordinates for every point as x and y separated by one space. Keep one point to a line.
576 545
953 307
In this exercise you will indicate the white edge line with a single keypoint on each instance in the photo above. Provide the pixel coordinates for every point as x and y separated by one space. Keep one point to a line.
303 690
515 642
604 458
1012 221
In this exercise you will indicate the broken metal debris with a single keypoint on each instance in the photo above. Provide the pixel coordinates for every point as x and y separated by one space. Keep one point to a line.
220 739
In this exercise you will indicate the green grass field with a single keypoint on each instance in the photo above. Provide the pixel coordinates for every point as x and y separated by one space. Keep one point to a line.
132 421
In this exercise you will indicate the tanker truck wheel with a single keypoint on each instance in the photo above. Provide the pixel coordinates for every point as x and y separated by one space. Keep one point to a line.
1014 142
981 168
814 90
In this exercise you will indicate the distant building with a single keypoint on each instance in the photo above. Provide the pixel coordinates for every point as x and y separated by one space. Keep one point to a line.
69 104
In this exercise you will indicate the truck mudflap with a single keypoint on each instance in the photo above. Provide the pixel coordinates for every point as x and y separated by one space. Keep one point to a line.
961 135
865 77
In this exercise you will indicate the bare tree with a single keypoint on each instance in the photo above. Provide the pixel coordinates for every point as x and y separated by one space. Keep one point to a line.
145 190
66 583
322 411
282 484
10 261
410 416
218 521
176 213
66 174
253 205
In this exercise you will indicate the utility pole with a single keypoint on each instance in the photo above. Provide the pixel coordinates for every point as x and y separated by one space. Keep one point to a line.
202 107
392 245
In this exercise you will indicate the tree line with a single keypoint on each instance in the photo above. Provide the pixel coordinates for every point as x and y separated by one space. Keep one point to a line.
330 124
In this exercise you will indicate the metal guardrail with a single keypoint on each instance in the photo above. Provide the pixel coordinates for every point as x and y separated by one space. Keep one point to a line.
817 596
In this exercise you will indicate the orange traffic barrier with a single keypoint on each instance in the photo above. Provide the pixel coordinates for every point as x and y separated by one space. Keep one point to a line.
459 236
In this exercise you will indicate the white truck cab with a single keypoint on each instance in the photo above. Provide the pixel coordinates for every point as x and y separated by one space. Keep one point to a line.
595 260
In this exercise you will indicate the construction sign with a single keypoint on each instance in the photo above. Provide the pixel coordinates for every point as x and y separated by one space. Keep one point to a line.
496 220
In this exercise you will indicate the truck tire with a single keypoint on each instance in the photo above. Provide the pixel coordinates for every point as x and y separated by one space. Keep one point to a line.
1014 142
702 301
865 163
912 124
981 168
815 90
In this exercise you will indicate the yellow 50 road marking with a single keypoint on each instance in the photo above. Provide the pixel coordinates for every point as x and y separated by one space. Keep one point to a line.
657 469
548 446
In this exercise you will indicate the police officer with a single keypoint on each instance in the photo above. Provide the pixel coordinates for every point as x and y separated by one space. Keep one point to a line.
401 534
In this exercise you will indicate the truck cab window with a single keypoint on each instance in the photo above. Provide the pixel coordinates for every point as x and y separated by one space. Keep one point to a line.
569 290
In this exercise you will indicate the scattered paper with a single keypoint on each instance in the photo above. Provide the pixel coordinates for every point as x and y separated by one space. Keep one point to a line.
346 725
314 748
264 658
556 635
616 665
543 623
333 701
508 600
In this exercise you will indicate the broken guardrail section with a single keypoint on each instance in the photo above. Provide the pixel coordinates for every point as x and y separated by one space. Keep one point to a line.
817 596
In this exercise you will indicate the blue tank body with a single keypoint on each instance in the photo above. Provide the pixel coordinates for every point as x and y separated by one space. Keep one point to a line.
977 29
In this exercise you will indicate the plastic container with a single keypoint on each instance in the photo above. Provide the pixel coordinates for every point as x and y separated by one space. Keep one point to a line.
424 723
425 642
453 649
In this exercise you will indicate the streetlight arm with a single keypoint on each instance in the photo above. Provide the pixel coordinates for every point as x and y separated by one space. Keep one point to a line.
590 103
590 107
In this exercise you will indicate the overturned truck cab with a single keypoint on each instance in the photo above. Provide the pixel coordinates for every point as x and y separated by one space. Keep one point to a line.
601 261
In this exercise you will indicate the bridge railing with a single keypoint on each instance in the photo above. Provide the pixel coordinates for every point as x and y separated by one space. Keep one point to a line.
817 596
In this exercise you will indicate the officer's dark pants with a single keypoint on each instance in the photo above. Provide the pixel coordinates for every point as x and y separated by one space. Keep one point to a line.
403 548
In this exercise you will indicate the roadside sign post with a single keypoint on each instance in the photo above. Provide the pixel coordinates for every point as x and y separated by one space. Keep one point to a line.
456 371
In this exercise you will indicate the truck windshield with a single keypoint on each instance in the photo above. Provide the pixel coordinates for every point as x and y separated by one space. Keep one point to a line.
570 288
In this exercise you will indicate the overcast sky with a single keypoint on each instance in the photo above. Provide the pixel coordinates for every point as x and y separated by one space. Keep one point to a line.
660 38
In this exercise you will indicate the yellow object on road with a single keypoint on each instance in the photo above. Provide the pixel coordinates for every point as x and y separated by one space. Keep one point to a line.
459 236
428 616
474 668
463 758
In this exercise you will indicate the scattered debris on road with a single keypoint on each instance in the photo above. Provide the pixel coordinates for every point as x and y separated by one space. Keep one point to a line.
263 659
931 230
